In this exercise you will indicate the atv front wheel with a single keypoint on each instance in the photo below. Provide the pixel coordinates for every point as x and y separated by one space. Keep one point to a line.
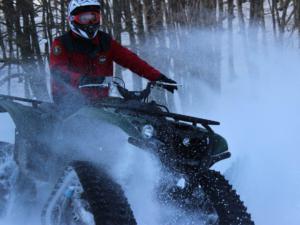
211 197
86 195
230 209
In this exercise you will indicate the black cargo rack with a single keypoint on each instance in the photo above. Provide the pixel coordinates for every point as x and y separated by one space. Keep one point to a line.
177 117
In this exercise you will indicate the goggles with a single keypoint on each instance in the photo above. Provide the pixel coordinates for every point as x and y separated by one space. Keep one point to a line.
86 18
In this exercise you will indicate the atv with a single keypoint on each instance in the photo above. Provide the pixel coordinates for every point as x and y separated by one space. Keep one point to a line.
87 194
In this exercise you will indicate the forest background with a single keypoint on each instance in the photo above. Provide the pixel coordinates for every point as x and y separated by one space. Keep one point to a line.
245 52
28 27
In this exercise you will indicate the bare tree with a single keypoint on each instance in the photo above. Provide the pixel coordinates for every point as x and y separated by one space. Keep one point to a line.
25 38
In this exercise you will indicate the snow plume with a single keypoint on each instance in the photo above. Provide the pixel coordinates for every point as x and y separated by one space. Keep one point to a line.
258 107
84 138
138 171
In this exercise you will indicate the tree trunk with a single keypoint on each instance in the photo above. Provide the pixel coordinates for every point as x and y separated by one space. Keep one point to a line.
297 17
117 29
232 74
241 15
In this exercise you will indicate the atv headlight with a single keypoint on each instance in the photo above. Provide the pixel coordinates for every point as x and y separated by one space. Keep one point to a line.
148 131
186 142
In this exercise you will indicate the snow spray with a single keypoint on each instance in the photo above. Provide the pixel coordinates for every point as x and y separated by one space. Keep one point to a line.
259 112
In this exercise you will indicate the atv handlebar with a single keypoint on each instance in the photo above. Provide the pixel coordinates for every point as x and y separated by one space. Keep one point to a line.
134 95
160 83
102 82
143 94
94 86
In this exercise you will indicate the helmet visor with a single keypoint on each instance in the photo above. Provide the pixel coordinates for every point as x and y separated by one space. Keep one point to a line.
86 18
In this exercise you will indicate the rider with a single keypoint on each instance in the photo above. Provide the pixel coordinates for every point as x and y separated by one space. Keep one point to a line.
85 55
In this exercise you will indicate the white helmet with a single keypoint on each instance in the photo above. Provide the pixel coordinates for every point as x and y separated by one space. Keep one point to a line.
88 31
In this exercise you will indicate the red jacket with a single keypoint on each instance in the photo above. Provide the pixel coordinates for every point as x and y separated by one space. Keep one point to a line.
73 58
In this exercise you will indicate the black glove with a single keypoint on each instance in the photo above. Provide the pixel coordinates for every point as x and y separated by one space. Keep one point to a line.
171 88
